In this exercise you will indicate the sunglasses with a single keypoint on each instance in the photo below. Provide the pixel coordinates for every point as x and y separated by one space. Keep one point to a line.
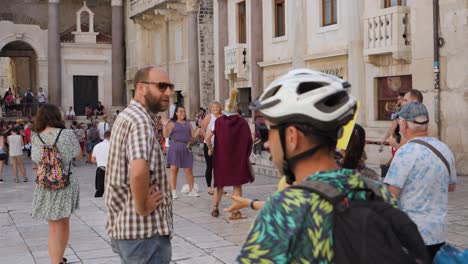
264 131
162 86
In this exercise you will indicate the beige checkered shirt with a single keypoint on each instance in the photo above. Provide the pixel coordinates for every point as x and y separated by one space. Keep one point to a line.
133 137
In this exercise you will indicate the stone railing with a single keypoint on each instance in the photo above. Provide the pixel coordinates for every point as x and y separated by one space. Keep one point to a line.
236 58
387 31
140 6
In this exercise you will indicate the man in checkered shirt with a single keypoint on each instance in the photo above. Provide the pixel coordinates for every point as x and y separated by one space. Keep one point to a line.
137 192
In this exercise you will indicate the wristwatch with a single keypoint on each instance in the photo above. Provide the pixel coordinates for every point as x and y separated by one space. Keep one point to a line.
252 203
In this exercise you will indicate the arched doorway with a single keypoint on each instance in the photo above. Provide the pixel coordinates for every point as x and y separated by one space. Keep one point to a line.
18 72
19 64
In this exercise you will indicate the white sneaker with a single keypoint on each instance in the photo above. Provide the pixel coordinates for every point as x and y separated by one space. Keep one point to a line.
174 194
193 193
185 189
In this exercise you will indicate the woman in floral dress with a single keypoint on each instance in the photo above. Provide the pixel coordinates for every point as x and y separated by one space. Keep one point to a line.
55 206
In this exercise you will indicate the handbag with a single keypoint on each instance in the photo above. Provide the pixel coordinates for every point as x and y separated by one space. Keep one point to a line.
449 254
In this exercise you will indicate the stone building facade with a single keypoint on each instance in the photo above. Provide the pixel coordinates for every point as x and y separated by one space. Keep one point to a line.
66 47
179 37
381 47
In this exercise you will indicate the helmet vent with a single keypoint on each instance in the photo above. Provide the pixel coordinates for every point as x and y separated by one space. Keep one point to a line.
271 92
330 103
309 86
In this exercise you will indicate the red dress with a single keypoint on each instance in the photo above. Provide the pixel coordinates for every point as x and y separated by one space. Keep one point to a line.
232 149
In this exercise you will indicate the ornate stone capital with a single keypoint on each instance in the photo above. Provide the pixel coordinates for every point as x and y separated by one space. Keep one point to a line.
192 5
149 21
169 14
117 3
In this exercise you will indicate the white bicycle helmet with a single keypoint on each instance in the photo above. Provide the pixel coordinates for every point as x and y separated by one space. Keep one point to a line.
308 97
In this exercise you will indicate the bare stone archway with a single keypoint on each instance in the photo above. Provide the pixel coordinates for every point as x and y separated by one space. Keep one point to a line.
27 45
22 66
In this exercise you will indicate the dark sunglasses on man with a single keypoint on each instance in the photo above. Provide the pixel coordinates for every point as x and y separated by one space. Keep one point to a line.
162 86
263 131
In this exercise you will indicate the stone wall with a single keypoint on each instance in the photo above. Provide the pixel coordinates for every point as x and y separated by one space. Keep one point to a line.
206 52
4 69
35 12
454 79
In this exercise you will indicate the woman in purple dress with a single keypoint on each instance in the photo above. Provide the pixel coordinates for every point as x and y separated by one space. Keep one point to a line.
180 131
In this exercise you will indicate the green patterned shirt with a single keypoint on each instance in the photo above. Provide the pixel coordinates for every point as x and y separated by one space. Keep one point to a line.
294 226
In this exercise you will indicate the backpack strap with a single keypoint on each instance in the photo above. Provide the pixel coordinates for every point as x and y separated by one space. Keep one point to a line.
327 191
429 146
40 139
56 139
333 195
55 143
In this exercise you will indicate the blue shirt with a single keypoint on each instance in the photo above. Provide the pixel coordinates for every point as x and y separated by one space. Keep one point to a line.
423 179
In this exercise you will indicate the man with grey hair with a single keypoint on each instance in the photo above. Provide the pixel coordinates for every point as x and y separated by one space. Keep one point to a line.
421 175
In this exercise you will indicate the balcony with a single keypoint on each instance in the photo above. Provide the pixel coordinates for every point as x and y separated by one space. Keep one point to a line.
387 31
235 58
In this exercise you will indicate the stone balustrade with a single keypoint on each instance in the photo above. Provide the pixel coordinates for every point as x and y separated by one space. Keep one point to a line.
387 31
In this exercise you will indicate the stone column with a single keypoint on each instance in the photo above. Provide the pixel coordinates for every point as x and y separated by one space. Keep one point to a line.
118 74
168 47
356 65
255 48
192 56
54 65
299 42
221 40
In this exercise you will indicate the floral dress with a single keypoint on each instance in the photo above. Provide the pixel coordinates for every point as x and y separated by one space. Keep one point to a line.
55 205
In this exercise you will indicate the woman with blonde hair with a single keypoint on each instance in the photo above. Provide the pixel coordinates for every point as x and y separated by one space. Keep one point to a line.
215 112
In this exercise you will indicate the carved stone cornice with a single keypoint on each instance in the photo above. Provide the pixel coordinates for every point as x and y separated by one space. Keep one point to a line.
150 21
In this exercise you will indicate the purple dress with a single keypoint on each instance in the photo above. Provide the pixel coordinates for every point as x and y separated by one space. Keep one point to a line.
178 154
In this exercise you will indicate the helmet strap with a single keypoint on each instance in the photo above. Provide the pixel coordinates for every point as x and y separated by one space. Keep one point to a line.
289 163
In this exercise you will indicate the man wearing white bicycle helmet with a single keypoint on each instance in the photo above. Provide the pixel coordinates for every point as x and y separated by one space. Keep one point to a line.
305 112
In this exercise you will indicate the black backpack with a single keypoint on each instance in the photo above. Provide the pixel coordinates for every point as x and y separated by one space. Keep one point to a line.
371 230
28 97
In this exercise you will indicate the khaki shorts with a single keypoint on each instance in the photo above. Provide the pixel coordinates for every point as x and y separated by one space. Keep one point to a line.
15 159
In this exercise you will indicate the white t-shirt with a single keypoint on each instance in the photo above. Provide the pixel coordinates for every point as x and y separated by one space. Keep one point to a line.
41 97
424 179
101 153
16 148
70 113
172 110
210 127
103 127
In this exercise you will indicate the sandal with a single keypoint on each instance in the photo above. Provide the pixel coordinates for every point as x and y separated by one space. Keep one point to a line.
17 180
237 216
215 212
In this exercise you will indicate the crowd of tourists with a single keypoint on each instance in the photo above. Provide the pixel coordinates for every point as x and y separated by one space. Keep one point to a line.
326 198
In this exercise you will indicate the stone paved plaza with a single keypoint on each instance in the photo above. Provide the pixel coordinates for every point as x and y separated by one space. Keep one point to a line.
199 238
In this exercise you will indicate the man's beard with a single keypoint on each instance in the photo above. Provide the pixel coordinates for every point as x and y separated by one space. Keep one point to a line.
153 103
